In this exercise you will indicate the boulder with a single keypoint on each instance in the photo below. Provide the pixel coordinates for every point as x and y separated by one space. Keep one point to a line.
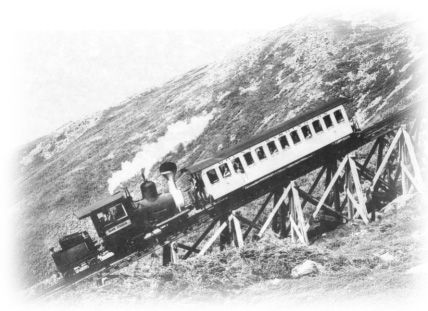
398 203
421 269
308 267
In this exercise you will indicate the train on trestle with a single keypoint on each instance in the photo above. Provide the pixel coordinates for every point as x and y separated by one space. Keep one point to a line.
122 223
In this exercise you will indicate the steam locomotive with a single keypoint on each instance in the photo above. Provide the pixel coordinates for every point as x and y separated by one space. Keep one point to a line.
120 222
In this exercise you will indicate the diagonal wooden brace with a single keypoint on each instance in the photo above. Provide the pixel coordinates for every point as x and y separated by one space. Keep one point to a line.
274 210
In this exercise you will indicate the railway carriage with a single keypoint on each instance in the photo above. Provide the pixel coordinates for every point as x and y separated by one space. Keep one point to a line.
244 164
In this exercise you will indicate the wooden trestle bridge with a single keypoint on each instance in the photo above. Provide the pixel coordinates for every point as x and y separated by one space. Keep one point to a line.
391 168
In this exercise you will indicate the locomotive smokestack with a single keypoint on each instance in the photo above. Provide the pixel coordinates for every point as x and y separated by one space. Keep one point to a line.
142 174
168 170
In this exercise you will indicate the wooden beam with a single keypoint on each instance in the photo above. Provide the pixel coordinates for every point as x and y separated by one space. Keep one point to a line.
402 158
372 151
357 184
247 221
214 237
274 210
283 213
412 157
188 248
296 230
225 235
326 192
201 238
314 201
357 206
348 186
386 158
315 183
237 233
369 175
292 216
336 191
411 178
265 203
298 207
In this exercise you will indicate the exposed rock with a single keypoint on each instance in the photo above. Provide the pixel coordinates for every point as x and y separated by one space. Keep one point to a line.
397 204
387 258
308 267
419 269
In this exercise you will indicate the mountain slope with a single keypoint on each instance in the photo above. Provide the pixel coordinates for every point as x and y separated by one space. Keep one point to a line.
378 66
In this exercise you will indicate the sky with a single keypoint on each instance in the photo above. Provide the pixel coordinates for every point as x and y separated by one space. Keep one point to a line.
66 61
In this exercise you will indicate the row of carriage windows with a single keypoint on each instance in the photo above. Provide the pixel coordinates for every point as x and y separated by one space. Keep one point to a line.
272 147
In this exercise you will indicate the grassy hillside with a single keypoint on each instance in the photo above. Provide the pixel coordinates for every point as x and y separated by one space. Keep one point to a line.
376 265
378 67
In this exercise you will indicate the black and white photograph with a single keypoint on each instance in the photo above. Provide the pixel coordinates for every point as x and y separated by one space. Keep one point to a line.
214 155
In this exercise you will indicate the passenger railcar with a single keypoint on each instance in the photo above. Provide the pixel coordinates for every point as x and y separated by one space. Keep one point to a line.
245 163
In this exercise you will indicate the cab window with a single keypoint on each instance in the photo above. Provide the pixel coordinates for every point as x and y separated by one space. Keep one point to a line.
104 218
317 126
339 116
224 170
306 132
248 158
212 176
117 212
295 137
284 142
112 214
327 121
260 153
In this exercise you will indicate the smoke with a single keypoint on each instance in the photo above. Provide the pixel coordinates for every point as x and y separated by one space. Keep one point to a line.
178 133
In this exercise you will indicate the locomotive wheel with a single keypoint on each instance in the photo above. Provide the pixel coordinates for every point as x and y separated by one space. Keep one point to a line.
69 273
92 262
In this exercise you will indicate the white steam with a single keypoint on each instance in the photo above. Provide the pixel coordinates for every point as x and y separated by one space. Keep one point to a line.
177 133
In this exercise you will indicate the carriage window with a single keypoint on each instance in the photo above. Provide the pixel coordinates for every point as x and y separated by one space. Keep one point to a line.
212 176
272 147
317 126
260 153
284 142
339 116
306 131
224 170
248 158
237 166
295 137
327 121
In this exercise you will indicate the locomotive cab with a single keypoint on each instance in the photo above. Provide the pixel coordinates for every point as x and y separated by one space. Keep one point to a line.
112 219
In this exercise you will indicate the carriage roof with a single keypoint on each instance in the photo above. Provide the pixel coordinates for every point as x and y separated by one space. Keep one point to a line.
224 154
